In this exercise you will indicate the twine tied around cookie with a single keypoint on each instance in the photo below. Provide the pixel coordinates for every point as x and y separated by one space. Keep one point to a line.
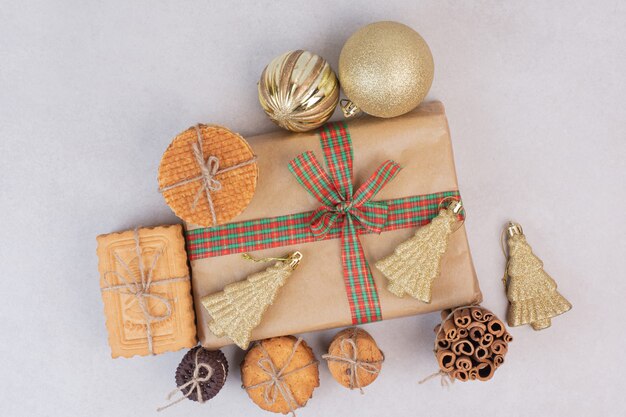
276 383
209 170
372 367
139 287
193 384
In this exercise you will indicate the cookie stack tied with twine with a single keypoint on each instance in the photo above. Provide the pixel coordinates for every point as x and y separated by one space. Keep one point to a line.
280 374
354 359
208 175
200 376
470 344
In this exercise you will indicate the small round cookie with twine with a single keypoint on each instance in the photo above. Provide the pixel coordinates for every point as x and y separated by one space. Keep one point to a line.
354 359
470 344
280 374
200 376
208 175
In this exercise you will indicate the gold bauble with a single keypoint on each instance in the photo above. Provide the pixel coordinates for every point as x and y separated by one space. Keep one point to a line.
299 91
386 69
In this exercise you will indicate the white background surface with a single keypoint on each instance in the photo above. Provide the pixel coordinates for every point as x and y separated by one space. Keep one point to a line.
92 92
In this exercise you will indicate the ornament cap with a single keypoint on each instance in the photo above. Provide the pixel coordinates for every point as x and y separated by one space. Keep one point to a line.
451 203
348 108
514 229
295 259
456 206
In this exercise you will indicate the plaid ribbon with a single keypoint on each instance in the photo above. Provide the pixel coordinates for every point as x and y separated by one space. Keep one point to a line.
343 214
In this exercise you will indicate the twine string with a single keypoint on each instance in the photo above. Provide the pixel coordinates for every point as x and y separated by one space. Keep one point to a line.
446 380
276 384
209 170
139 287
505 252
193 384
349 355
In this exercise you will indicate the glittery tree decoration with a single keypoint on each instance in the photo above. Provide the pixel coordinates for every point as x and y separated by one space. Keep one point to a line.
531 291
416 263
238 309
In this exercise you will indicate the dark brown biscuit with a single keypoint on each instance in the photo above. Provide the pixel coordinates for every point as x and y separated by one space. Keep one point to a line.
215 359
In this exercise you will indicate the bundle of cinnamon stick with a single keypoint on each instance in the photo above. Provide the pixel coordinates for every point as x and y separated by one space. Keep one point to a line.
470 343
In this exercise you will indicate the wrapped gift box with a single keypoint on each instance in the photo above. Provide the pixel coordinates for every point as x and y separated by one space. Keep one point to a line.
321 293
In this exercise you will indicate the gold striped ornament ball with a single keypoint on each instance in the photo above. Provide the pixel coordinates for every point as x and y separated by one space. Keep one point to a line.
385 69
299 91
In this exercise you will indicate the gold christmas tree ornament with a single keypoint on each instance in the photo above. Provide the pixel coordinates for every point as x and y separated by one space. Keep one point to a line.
239 308
416 263
531 291
299 91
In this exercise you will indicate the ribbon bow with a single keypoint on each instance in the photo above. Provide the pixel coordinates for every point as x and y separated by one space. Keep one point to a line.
354 213
139 287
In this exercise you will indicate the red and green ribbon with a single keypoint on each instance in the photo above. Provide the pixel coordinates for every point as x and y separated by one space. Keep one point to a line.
343 214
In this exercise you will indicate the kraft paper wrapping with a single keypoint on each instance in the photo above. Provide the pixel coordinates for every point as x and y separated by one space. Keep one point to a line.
314 298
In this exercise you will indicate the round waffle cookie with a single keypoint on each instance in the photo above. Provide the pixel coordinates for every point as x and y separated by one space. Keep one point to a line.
213 358
221 164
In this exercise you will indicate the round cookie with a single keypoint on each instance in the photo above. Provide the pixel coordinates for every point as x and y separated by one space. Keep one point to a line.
215 359
229 160
369 358
300 374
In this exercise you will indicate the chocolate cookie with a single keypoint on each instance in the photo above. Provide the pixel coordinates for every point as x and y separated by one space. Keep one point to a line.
214 359
294 366
354 369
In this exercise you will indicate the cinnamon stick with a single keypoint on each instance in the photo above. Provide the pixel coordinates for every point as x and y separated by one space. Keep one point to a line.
446 359
462 318
495 327
476 330
445 314
463 333
464 363
497 360
481 354
477 313
463 347
473 374
498 347
485 370
486 340
442 342
460 374
487 315
507 337
450 330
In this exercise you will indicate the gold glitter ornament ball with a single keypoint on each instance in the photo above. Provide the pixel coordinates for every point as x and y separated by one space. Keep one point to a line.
386 69
299 91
